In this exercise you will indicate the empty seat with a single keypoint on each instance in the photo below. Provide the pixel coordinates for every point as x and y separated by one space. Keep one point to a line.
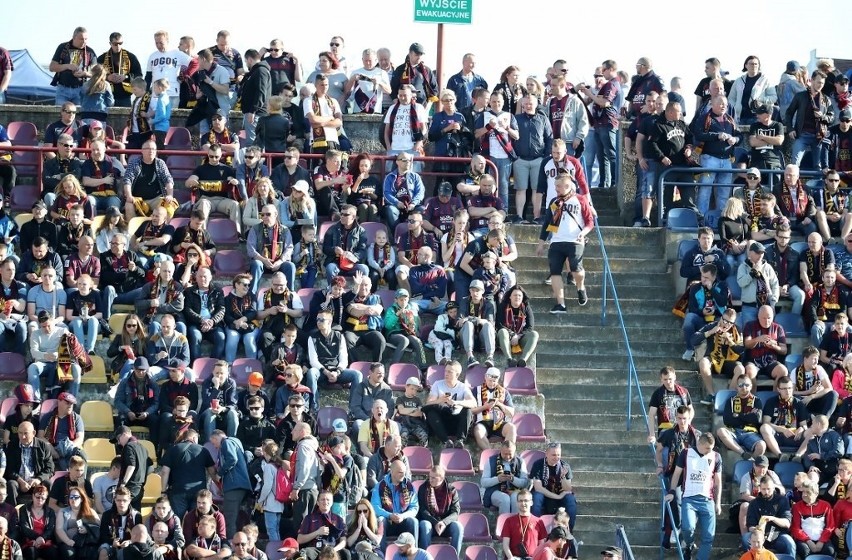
721 400
486 456
457 462
203 368
442 552
520 381
116 322
306 294
7 408
475 527
434 373
242 368
181 167
25 217
152 490
99 451
529 427
685 246
787 471
178 138
47 406
480 552
683 220
97 375
794 326
711 219
97 416
475 376
229 262
323 229
363 367
13 367
24 196
398 374
387 296
419 459
223 231
326 417
741 468
530 456
135 223
469 495
22 133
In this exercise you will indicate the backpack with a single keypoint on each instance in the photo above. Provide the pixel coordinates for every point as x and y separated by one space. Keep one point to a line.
354 486
283 486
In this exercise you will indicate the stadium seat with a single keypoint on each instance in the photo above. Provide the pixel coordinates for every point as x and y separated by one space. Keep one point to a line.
501 520
25 217
223 231
387 297
399 232
323 229
116 322
485 456
391 550
469 496
734 288
457 462
47 406
371 228
711 219
181 167
109 132
13 367
799 246
152 490
305 294
793 325
764 395
146 443
547 520
22 133
529 427
476 528
178 222
230 262
721 400
178 138
685 246
363 367
7 408
398 374
96 475
780 556
242 368
442 552
682 220
530 456
272 550
819 557
326 417
203 368
97 416
97 375
480 552
135 223
97 222
419 459
520 381
24 196
434 373
56 476
475 376
787 471
100 452
792 361
741 468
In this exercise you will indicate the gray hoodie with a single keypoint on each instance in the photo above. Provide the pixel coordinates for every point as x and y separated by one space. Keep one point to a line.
307 464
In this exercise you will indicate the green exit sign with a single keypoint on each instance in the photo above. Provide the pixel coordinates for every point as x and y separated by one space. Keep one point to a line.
443 11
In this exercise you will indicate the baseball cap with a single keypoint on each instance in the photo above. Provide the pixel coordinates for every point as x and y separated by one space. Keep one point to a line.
445 189
762 109
492 372
120 431
174 363
301 186
221 113
339 425
39 204
413 381
334 441
289 544
792 67
95 125
255 379
416 48
141 363
842 79
405 538
761 461
753 171
402 292
477 285
452 305
845 115
757 247
67 397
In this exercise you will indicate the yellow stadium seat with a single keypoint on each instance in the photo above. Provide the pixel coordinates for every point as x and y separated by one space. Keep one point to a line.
147 444
23 218
134 225
124 308
99 451
97 373
146 514
153 488
97 416
116 322
97 222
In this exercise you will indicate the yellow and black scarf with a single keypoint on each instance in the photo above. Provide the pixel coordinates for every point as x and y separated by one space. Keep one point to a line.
557 209
386 493
722 350
318 132
123 68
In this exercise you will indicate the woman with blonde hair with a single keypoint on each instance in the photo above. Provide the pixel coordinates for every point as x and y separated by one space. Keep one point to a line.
69 193
264 194
297 210
97 97
362 537
734 231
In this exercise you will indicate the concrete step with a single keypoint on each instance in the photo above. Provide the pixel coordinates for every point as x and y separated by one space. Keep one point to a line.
618 264
611 235
644 361
577 333
593 249
612 435
591 317
664 347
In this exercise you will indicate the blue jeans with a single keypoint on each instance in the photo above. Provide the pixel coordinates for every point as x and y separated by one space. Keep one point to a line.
453 531
232 342
110 297
314 379
251 130
257 269
407 525
332 270
74 95
48 369
209 421
605 140
692 323
87 336
504 171
807 142
543 505
589 155
308 278
183 501
216 335
101 203
425 306
10 343
698 512
272 520
704 192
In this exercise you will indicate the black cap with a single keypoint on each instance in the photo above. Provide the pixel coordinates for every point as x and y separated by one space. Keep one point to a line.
557 533
757 247
221 113
120 431
761 461
141 363
842 79
762 109
416 48
445 189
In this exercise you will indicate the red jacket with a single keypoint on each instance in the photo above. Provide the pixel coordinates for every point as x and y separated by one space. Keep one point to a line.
801 510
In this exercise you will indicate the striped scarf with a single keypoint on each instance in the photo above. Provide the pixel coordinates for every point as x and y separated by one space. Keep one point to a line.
557 209
123 68
386 493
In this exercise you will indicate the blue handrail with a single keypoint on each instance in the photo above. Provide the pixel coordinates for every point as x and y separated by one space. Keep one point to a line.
633 377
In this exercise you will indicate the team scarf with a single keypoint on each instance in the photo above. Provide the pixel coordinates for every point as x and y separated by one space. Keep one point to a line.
171 295
500 471
414 245
64 359
138 397
151 232
407 320
252 175
801 203
53 426
312 257
815 265
515 322
438 500
761 289
6 549
214 544
501 137
743 405
103 189
123 67
63 204
785 413
376 438
400 188
286 297
365 102
802 379
74 233
723 350
386 493
829 302
386 461
492 280
477 309
552 477
142 106
382 254
359 324
753 206
557 209
413 117
495 415
833 202
221 138
239 305
725 118
407 77
318 132
272 246
331 481
115 523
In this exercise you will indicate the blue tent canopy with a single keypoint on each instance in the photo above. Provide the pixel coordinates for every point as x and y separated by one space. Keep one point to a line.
30 82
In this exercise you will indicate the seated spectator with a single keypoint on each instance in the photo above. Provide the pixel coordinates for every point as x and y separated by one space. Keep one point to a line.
484 204
296 413
396 503
328 356
82 261
493 411
204 312
827 301
37 526
742 416
75 480
154 236
784 419
374 431
122 274
218 404
164 520
207 540
270 245
494 278
77 527
39 226
723 347
167 349
287 353
147 183
335 466
552 484
707 300
502 478
802 212
67 124
113 223
439 513
835 345
38 257
138 397
841 379
379 463
164 295
365 191
285 175
58 357
557 541
832 215
262 195
240 319
213 183
413 428
409 244
279 307
812 524
427 282
345 246
100 176
363 319
254 388
6 540
46 296
444 336
770 512
309 257
204 508
363 395
116 525
24 411
178 412
193 236
758 282
362 533
813 385
477 324
55 168
13 297
821 448
765 343
255 427
403 191
105 485
63 430
402 329
381 258
83 313
332 183
448 408
705 253
515 327
69 193
519 538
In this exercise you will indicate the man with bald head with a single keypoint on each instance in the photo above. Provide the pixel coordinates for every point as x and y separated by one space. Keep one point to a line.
396 504
304 475
28 463
796 204
6 542
270 246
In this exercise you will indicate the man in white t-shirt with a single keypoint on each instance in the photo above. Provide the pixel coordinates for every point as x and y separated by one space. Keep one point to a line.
165 63
405 132
367 86
324 117
448 407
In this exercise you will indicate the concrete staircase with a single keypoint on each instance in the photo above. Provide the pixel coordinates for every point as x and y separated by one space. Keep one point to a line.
582 372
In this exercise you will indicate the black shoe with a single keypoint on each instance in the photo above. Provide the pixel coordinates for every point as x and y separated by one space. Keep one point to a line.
522 363
646 222
516 220
582 298
558 309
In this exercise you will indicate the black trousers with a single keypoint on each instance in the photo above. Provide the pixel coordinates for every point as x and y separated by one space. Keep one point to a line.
444 424
374 341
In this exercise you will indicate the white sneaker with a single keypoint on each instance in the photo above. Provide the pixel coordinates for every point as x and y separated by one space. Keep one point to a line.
672 538
688 355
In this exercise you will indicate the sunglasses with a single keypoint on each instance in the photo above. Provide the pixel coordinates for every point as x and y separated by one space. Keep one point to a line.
752 177
297 406
218 118
845 120
362 511
289 157
69 112
743 385
243 284
67 145
249 158
274 50
334 44
266 213
255 408
347 215
832 180
598 75
413 221
74 497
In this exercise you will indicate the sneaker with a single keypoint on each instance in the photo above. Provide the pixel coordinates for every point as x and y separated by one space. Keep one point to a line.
522 363
489 361
557 309
548 281
516 220
646 222
746 456
688 355
511 363
582 298
538 221
472 362
708 399
796 458
458 444
637 223
672 538
784 457
569 281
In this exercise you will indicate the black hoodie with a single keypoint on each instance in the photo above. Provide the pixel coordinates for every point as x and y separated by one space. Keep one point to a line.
141 551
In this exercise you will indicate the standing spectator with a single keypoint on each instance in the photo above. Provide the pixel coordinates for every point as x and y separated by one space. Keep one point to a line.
232 473
71 65
414 73
272 508
6 70
568 117
284 66
750 90
604 119
765 137
324 117
122 67
466 81
535 137
451 136
496 130
368 85
719 134
96 97
807 120
557 164
523 532
703 92
255 93
646 81
135 464
333 68
304 471
183 470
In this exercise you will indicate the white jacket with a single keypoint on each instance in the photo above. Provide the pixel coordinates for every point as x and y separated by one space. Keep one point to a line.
761 91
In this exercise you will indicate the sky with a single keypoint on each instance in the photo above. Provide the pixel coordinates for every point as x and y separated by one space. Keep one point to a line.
503 32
